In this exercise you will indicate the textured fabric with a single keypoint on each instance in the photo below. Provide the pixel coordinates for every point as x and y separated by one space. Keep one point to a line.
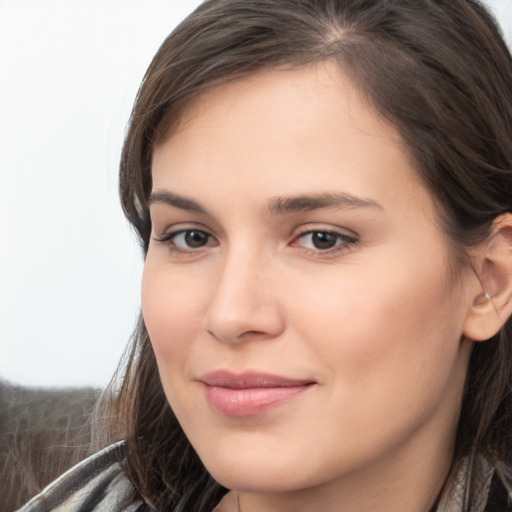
97 484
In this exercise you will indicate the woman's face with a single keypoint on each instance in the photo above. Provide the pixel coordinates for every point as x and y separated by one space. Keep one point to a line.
297 289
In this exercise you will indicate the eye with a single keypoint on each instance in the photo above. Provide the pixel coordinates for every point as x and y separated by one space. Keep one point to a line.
324 241
191 239
187 239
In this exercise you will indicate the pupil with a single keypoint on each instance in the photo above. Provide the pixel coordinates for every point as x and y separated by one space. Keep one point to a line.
323 240
196 238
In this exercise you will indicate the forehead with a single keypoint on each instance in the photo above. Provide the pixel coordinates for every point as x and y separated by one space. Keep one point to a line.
303 129
293 95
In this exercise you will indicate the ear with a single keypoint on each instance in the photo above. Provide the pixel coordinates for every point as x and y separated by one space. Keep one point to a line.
491 304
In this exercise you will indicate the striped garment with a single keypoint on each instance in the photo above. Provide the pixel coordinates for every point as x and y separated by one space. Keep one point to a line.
96 484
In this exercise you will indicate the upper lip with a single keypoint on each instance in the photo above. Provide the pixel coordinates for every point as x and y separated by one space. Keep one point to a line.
250 379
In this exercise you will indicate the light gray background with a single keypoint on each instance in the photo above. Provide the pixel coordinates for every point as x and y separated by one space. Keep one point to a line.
69 265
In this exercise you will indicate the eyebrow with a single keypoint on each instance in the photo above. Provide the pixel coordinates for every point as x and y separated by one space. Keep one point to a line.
277 205
171 199
309 202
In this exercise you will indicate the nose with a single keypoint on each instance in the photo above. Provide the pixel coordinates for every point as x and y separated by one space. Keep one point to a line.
245 302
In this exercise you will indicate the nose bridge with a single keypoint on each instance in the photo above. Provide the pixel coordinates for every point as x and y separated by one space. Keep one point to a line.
244 303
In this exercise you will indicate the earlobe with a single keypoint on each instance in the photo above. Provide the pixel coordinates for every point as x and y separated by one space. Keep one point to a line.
491 304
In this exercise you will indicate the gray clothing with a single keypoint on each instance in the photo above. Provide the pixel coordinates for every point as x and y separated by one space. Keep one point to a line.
96 484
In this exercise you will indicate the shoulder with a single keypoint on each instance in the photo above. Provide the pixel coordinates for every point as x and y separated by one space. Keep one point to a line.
97 484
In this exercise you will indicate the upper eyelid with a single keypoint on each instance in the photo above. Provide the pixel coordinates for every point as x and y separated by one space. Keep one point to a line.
165 218
178 227
330 231
312 227
167 235
350 238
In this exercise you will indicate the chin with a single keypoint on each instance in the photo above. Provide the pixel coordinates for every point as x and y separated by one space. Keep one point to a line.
260 470
257 479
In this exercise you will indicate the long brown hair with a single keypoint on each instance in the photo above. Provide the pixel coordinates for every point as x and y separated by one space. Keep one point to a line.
440 72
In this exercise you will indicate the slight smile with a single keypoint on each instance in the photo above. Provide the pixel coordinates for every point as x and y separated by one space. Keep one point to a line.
250 393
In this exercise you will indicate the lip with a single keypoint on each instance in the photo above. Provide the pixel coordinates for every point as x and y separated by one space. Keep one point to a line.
250 393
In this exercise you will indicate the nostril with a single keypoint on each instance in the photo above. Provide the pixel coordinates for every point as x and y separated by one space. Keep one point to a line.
243 336
252 334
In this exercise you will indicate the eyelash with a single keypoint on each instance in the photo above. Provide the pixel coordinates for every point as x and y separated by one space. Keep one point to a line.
342 241
169 239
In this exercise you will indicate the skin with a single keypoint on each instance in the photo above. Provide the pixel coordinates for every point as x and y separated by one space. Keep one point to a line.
377 321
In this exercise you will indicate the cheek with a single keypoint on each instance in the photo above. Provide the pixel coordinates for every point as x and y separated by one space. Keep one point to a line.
386 321
172 311
171 307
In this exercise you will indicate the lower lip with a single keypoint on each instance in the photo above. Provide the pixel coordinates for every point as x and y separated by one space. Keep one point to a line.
250 401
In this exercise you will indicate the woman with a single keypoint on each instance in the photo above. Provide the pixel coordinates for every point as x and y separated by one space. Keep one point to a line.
323 193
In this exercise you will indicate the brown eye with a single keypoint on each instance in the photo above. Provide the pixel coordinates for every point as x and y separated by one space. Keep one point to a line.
323 240
195 239
187 239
